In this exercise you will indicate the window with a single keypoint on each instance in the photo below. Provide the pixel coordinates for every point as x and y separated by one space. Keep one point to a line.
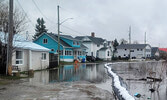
43 56
73 42
108 53
52 50
125 49
141 49
137 49
61 52
98 45
68 52
77 43
131 50
19 57
45 41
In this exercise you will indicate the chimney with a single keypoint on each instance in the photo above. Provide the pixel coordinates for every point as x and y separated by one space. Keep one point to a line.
93 34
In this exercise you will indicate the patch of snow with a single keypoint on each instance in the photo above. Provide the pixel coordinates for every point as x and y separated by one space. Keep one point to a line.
117 84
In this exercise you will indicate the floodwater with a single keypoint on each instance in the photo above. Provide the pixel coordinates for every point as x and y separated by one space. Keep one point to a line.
94 73
69 82
135 76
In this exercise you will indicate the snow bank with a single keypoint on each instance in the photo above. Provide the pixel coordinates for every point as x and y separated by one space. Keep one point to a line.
122 91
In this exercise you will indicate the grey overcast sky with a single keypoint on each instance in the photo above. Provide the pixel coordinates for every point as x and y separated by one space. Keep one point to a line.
109 19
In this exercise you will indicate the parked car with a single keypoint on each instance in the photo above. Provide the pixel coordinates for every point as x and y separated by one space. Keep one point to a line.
90 58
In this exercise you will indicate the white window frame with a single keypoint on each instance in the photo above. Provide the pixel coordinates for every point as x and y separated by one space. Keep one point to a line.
43 58
20 59
45 41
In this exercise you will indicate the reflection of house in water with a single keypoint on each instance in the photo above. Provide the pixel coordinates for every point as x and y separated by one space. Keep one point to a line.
84 72
69 73
41 76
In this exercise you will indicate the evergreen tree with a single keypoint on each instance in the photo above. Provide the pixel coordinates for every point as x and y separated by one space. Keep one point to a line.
115 45
40 28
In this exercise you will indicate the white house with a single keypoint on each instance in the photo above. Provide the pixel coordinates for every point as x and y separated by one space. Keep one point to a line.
92 43
134 50
27 55
105 53
30 56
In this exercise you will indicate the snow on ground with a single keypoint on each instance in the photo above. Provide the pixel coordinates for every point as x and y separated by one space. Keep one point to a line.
117 84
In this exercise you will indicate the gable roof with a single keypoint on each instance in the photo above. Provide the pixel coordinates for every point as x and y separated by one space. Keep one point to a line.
132 46
55 37
154 50
95 40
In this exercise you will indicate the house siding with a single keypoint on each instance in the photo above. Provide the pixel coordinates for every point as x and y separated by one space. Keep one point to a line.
52 44
36 62
138 53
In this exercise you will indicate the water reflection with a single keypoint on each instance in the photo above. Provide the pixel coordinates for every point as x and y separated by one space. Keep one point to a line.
68 73
148 88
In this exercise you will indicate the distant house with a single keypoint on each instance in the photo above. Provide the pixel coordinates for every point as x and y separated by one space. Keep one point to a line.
105 53
70 48
163 53
28 55
155 52
92 43
134 50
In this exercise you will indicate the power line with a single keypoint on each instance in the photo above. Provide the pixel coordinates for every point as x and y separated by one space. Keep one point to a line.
25 13
41 12
73 30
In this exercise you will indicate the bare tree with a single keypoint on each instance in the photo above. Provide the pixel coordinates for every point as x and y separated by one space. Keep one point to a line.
19 25
19 18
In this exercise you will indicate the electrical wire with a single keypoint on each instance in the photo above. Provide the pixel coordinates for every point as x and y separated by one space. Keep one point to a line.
42 13
25 13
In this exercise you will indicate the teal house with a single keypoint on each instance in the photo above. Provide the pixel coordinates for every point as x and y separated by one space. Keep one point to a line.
70 48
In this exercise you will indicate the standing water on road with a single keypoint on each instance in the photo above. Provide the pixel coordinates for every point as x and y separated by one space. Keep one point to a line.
94 73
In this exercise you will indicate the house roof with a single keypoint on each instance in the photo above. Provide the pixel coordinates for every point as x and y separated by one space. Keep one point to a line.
163 49
20 42
103 49
95 40
29 45
154 50
83 46
132 46
55 37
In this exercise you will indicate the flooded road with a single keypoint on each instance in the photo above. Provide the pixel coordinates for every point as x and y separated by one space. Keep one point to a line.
136 77
69 82
94 73
90 82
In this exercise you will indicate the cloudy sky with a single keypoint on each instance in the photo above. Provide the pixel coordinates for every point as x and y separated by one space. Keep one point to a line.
109 19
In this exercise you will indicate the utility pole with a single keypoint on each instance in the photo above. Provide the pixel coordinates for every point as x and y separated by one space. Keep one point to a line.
58 29
129 34
145 44
129 41
10 40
